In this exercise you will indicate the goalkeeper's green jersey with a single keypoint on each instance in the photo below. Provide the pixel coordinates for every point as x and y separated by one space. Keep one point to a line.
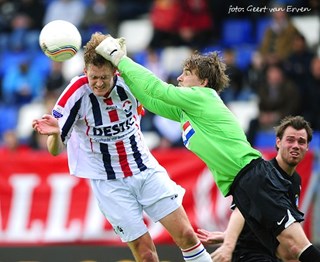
209 128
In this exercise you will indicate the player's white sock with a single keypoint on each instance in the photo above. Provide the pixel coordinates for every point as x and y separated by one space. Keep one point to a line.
196 253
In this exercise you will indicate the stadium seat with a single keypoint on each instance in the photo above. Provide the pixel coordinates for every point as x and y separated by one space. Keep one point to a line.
9 116
172 57
265 139
236 32
315 143
309 26
244 111
10 59
138 34
261 26
41 63
244 56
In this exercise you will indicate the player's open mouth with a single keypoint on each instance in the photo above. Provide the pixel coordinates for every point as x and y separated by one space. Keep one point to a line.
295 154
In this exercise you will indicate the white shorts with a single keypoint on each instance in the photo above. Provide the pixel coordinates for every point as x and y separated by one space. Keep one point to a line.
122 201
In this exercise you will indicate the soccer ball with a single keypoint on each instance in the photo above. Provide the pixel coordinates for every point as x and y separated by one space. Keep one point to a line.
60 40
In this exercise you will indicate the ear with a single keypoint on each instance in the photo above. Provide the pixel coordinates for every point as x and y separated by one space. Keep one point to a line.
278 142
204 82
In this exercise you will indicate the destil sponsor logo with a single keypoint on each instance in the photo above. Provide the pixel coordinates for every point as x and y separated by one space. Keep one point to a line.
113 129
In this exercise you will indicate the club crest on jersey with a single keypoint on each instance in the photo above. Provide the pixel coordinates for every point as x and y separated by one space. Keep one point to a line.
127 106
57 112
187 133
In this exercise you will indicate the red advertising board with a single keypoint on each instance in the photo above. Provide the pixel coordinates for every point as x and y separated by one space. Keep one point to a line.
40 203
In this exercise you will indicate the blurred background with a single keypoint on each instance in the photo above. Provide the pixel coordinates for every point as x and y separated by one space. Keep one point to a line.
272 52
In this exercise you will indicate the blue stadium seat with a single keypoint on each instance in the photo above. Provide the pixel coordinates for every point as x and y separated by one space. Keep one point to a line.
315 143
8 118
41 63
236 32
261 27
265 139
244 56
9 59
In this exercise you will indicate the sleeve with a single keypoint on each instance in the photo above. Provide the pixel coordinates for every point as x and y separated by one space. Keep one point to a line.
157 96
67 108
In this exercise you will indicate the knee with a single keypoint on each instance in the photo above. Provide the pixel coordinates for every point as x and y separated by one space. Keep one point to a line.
187 238
143 249
149 255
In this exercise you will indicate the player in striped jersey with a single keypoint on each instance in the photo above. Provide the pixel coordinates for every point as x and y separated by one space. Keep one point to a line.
98 119
211 131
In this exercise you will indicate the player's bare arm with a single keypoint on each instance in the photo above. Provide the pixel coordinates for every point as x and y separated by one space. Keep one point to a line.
49 126
284 254
234 228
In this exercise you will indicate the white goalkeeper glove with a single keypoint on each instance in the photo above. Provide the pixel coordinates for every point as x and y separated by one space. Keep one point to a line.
112 49
122 43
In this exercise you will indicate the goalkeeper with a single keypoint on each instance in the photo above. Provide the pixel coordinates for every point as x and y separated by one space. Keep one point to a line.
211 131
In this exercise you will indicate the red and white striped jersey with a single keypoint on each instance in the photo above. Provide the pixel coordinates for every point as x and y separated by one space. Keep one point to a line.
102 134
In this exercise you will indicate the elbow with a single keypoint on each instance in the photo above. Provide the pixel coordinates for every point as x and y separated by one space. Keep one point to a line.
54 153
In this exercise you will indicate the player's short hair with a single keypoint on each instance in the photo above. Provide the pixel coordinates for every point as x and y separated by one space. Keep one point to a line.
90 54
297 122
209 66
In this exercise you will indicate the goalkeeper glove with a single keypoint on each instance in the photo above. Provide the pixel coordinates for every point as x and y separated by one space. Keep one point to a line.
112 49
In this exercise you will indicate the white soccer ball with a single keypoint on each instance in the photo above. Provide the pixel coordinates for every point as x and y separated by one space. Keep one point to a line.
60 40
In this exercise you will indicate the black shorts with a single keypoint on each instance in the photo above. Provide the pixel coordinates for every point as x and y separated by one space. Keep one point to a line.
261 194
252 257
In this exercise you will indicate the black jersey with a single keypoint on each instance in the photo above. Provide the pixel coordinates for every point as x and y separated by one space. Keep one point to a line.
248 244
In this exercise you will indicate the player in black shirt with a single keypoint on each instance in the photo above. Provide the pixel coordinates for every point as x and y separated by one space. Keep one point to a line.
248 247
239 242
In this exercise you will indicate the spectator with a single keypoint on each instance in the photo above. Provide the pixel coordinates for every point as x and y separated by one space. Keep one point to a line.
237 91
165 15
311 103
278 97
34 11
180 22
128 9
276 43
255 76
31 111
297 65
315 6
26 25
196 23
8 119
11 143
153 63
22 84
55 81
168 131
8 10
100 16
